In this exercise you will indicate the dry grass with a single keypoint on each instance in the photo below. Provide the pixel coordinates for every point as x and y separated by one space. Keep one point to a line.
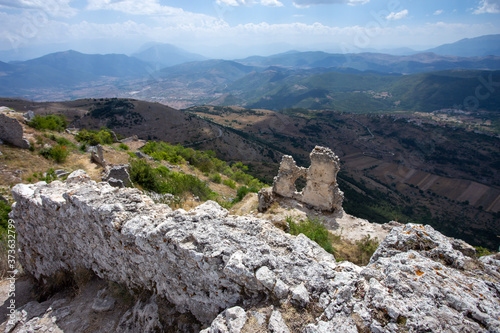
357 252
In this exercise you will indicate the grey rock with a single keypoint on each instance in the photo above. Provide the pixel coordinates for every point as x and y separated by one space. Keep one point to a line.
130 139
97 155
115 182
300 294
266 277
205 262
118 175
61 173
231 320
277 324
30 115
12 131
266 198
140 154
143 317
103 302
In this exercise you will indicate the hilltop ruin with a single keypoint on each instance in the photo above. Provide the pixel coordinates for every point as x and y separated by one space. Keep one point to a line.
321 191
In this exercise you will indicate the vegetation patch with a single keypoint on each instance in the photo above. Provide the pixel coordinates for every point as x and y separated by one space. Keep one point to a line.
95 138
162 180
205 161
314 230
50 122
57 153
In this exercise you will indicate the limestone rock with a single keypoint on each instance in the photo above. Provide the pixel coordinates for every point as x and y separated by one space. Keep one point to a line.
266 198
205 263
118 175
277 324
97 155
12 131
30 115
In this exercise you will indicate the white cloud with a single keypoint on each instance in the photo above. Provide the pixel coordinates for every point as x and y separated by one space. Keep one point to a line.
145 7
397 16
235 3
271 3
438 12
308 3
488 7
56 8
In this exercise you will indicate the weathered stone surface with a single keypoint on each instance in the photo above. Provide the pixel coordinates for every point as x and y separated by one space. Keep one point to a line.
12 131
118 175
192 259
30 115
266 198
103 302
284 182
97 155
277 324
205 261
321 190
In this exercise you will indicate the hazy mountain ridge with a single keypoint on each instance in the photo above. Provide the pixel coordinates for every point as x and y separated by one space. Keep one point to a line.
165 55
467 47
362 82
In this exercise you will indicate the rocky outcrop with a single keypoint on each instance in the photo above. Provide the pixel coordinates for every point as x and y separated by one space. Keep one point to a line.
97 155
321 190
240 274
118 175
12 131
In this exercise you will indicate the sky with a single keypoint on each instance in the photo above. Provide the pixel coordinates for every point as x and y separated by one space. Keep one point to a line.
235 28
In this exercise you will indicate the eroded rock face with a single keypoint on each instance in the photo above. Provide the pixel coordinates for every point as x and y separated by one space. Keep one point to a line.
321 191
118 175
238 273
12 131
97 155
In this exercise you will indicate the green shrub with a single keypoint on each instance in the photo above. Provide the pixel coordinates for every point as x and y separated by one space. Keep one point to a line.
57 153
51 122
230 183
64 142
162 180
367 246
314 230
242 192
123 146
482 251
205 161
4 215
216 178
94 138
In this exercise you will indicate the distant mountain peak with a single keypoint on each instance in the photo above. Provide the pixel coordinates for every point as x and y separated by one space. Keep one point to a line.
166 55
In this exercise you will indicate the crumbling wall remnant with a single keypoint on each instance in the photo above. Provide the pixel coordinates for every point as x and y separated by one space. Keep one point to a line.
321 190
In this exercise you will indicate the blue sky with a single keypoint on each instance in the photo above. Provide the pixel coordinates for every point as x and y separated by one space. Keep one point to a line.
231 28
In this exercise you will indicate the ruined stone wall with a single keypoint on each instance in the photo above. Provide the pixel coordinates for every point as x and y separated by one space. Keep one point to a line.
321 190
230 267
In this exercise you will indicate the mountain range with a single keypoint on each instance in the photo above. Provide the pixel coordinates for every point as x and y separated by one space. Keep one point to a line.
361 82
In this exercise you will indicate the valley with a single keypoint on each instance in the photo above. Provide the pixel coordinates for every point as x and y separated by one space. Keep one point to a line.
394 167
